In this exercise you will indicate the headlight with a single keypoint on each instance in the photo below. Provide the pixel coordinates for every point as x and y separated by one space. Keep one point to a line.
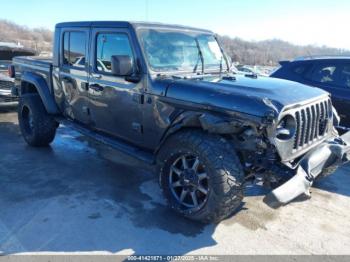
286 128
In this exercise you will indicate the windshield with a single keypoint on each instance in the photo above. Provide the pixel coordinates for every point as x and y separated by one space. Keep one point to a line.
168 50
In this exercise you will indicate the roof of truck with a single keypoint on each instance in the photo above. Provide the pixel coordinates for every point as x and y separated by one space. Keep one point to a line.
127 24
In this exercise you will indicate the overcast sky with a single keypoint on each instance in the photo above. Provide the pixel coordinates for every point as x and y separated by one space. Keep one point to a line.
319 22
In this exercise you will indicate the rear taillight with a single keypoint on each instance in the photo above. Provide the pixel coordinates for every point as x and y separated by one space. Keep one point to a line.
11 71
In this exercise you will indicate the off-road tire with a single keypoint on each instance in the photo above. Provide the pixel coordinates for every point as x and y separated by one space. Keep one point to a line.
40 130
222 165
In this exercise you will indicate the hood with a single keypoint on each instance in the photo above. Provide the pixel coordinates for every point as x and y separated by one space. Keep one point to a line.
253 96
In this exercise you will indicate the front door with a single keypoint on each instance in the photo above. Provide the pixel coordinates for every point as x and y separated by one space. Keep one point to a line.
73 73
115 104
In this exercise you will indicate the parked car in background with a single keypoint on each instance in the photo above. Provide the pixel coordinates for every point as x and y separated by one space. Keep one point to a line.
7 52
6 85
331 73
248 70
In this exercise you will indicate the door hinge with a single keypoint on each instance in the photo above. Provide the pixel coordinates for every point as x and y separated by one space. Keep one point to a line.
137 127
138 98
85 86
86 110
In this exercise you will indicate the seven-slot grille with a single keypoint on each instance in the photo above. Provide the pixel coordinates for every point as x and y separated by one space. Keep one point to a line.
311 123
6 85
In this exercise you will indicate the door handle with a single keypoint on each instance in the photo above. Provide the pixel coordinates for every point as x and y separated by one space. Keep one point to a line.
67 79
85 86
96 76
96 87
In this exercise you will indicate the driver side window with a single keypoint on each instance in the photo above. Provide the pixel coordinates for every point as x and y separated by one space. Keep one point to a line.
108 45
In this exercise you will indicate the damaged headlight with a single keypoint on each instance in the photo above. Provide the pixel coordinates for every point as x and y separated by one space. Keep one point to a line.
286 128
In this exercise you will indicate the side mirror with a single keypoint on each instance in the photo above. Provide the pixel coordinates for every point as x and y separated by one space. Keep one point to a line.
122 65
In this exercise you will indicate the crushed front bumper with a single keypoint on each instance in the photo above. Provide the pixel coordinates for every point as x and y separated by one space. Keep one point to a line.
328 155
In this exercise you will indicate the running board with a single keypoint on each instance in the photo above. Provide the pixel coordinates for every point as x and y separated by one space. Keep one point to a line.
112 142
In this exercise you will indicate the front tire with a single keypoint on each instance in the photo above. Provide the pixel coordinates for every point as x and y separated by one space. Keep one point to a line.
201 176
38 128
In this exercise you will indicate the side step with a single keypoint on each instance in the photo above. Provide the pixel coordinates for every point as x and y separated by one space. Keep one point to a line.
112 142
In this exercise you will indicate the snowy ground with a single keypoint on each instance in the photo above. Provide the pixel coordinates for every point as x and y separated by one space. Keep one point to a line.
81 197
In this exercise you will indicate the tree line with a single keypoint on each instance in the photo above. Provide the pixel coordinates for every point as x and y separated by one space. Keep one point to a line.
270 52
39 39
267 52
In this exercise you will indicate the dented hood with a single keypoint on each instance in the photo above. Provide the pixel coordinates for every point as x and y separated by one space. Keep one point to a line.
244 94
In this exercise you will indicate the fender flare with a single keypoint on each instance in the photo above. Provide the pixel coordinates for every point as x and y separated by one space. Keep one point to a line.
43 90
206 121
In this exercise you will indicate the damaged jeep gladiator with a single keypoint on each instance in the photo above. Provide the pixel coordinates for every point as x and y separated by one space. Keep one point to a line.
165 94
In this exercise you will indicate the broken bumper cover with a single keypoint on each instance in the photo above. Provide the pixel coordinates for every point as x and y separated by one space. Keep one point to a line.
327 156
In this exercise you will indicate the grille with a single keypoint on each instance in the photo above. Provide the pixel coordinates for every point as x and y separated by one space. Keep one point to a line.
311 123
7 85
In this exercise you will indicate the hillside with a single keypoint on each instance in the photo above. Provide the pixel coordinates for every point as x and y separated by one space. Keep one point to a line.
39 39
267 52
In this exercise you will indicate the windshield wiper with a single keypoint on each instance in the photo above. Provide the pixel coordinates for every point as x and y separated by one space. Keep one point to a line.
221 67
201 58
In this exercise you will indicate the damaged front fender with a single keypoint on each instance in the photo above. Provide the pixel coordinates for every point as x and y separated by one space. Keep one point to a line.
330 154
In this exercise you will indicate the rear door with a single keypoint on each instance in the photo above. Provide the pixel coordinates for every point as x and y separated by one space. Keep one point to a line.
115 104
341 93
73 73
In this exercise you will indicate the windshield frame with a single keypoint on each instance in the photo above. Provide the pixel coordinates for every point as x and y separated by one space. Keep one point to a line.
192 32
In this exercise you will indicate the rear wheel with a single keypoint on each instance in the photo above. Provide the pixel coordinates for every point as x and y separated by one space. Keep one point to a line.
201 176
38 128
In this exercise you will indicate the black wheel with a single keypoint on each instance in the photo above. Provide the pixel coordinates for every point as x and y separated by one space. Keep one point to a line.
38 128
201 176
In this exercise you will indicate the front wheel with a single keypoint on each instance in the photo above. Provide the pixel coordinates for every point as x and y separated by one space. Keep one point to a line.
201 176
38 128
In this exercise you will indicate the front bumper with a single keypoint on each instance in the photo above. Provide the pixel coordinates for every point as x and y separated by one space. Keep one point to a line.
328 155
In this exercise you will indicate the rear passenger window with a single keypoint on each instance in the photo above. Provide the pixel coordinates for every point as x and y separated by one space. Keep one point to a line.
325 73
300 70
74 44
344 80
109 44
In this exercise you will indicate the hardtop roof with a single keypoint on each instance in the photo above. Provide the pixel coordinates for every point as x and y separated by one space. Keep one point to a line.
127 24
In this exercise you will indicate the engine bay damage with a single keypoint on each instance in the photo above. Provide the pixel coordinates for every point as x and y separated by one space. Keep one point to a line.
262 162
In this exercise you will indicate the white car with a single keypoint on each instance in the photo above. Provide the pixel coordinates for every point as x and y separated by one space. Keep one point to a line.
244 70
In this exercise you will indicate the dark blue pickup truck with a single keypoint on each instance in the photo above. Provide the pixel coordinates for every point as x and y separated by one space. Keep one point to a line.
165 94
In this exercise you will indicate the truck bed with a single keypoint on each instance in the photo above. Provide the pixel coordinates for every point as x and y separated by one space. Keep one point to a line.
45 62
37 65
